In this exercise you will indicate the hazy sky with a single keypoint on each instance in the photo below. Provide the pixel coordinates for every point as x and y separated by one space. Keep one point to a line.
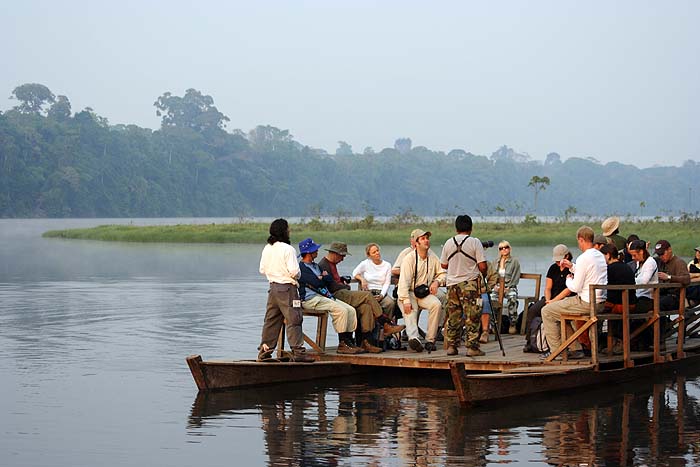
614 80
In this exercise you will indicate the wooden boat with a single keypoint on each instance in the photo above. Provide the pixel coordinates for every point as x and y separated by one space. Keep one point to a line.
220 374
492 377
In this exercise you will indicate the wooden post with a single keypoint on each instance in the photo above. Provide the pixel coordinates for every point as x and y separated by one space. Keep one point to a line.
681 324
657 327
594 334
626 357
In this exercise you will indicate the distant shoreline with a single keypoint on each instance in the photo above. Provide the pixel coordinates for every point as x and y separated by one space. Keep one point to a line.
684 235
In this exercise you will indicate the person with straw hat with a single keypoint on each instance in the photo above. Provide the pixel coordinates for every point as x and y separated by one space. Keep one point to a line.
611 229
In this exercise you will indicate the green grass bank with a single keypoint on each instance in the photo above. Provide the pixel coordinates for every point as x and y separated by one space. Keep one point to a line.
683 235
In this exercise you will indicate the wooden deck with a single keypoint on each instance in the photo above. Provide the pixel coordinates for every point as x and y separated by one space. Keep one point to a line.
491 362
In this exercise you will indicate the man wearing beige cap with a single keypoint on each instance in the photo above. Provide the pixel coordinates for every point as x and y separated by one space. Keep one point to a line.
421 270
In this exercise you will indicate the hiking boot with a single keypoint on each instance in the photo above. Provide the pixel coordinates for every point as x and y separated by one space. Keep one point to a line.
415 345
300 356
369 347
451 349
265 355
484 337
512 330
576 355
430 346
393 328
345 348
617 348
475 352
527 348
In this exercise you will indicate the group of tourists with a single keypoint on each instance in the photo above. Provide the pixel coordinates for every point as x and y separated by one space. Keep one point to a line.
362 317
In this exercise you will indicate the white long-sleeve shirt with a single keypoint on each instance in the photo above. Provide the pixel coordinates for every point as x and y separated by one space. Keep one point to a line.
279 263
591 268
647 273
378 276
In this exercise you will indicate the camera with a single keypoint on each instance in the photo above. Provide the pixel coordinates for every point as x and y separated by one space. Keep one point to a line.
348 279
487 244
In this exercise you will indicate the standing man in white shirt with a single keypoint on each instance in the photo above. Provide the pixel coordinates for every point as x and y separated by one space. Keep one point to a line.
591 268
279 264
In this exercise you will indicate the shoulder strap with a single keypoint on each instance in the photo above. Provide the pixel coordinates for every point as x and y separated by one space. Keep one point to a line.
459 250
427 271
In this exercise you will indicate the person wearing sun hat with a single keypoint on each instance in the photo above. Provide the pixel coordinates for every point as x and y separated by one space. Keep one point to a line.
692 293
314 294
368 308
611 229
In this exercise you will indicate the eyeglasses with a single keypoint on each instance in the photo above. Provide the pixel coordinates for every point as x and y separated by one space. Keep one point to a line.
503 247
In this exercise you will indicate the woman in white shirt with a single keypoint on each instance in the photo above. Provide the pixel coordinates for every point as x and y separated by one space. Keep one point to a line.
374 274
647 273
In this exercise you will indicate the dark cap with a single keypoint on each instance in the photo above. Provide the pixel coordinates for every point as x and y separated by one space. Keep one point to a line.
661 247
339 247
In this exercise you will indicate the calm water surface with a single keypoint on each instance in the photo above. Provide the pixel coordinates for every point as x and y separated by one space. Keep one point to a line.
94 337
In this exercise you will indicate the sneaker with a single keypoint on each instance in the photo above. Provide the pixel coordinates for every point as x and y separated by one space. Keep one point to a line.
265 355
415 345
430 346
369 347
393 329
344 348
451 350
475 352
545 354
576 355
300 356
512 330
484 337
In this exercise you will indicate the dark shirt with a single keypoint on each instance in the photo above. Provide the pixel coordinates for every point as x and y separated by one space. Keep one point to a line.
558 279
332 270
620 274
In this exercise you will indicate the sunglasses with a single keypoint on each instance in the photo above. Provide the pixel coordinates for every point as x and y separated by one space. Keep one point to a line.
503 247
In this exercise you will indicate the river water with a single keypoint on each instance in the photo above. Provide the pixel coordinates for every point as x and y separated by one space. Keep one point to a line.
94 337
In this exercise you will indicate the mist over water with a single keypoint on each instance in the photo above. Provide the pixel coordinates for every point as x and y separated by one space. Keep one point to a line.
94 337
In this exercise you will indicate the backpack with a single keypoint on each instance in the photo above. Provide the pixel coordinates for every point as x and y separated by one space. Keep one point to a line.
538 341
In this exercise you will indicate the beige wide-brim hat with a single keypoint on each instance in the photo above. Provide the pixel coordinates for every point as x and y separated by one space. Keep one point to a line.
610 225
559 252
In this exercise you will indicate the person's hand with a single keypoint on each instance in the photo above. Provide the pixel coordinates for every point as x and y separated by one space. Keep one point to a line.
433 287
363 284
379 297
407 308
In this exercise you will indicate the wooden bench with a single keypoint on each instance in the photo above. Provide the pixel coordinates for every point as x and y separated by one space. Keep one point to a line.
527 299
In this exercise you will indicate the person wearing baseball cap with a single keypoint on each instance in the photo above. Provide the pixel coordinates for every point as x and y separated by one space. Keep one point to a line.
672 269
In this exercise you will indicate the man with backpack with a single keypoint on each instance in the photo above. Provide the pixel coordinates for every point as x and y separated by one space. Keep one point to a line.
465 261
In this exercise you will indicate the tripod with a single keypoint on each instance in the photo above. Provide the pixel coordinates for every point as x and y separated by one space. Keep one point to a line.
494 323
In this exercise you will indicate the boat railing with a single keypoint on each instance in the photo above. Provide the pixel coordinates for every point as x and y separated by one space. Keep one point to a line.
651 318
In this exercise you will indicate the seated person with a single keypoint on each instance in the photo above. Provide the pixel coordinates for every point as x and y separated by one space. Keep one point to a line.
368 309
314 294
374 274
646 272
618 274
508 268
554 289
672 269
692 293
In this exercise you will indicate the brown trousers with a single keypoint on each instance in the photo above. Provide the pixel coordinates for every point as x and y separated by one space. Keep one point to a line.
280 307
368 308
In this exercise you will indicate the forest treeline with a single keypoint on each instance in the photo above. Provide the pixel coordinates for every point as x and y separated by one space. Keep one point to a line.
58 163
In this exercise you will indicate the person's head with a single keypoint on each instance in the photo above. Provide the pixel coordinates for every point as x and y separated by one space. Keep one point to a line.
423 240
504 248
279 232
609 250
584 237
663 250
308 250
463 223
599 241
373 252
559 252
415 233
337 252
632 238
611 226
638 250
697 254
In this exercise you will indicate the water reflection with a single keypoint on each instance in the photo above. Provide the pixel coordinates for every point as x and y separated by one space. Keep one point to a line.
643 424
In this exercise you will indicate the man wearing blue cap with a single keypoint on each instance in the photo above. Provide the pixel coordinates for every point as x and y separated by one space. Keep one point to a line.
314 293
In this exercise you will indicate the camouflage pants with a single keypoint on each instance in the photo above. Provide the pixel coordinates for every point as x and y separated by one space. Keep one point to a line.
463 311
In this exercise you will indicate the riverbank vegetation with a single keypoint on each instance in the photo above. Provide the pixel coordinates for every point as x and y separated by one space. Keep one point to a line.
681 233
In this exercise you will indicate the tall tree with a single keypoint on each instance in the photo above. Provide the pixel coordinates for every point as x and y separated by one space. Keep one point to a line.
61 109
33 97
194 110
344 149
538 184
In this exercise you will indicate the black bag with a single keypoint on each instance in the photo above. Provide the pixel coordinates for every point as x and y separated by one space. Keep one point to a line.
421 291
